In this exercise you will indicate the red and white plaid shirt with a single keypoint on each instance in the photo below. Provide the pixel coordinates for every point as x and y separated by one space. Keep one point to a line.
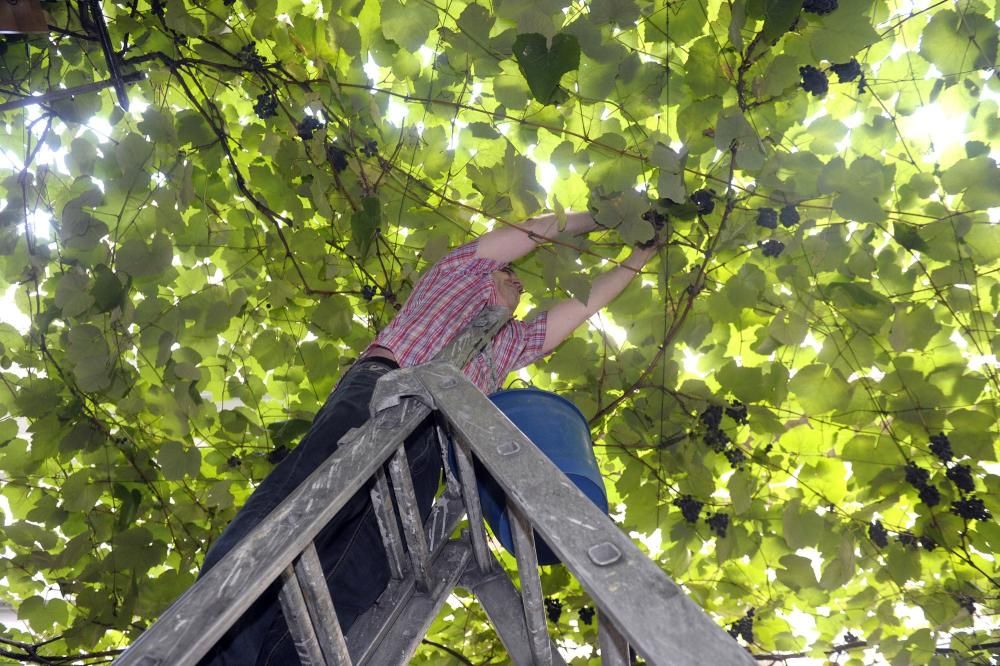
444 301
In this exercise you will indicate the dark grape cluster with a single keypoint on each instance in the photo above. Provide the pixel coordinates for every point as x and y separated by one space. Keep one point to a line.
249 57
941 447
847 71
767 218
233 462
690 507
743 627
919 478
336 157
266 106
820 7
307 127
961 476
916 476
586 615
789 216
553 608
736 457
930 495
370 149
971 508
712 416
716 438
814 80
718 523
704 201
656 218
878 534
368 292
158 7
737 411
908 540
771 247
927 543
850 637
278 454
966 602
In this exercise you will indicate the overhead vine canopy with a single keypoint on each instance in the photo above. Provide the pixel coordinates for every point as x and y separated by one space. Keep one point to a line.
796 408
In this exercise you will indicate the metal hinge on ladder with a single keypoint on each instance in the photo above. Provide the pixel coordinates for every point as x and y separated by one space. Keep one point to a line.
638 604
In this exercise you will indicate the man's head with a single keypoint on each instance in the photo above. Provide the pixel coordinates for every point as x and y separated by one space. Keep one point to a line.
508 287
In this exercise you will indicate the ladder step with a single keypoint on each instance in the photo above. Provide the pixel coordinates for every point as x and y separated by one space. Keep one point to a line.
392 631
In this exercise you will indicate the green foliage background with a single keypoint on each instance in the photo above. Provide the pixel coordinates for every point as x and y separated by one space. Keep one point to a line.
194 276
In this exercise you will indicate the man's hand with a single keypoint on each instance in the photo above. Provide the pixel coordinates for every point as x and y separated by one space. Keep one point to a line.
565 316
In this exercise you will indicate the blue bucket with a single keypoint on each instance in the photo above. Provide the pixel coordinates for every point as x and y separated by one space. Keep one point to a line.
561 432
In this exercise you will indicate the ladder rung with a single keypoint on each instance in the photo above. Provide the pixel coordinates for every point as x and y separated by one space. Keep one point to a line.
531 585
470 492
379 621
316 594
409 513
386 519
614 646
293 606
417 612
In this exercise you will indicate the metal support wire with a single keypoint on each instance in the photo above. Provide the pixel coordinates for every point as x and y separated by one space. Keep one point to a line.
93 7
63 93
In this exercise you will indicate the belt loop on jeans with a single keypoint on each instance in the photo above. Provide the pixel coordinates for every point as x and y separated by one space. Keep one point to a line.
381 360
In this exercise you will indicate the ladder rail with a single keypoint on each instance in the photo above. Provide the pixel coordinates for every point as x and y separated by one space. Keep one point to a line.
645 605
188 629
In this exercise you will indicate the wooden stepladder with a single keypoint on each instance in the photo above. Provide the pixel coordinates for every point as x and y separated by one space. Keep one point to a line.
638 604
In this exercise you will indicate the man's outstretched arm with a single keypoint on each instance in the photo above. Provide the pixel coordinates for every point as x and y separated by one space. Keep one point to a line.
509 243
565 316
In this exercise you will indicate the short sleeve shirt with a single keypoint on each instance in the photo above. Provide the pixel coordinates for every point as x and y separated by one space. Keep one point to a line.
445 300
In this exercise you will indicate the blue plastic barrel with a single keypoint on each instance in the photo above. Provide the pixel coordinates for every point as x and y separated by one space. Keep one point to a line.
560 430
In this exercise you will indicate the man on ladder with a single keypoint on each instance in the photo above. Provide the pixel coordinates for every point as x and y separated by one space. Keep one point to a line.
443 302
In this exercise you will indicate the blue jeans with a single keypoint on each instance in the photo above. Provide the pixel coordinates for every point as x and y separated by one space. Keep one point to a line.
349 547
